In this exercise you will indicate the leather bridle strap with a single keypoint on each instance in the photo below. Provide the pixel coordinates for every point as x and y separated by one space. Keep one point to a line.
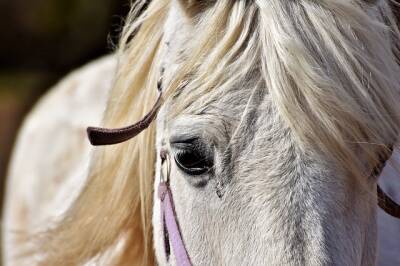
387 204
384 201
103 136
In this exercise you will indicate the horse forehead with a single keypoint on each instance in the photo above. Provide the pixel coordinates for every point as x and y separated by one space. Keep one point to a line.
260 135
176 38
236 120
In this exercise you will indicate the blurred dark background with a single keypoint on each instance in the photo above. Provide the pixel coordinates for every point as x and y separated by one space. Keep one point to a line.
41 41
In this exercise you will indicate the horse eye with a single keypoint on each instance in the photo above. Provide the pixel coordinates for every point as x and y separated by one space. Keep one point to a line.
192 161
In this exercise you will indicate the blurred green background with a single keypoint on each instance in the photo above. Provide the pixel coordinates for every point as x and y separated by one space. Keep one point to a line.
41 41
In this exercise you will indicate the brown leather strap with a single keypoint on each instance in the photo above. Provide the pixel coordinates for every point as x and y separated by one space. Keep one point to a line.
387 204
104 136
384 201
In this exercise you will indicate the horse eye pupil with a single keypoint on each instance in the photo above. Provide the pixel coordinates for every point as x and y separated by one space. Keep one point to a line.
190 159
192 162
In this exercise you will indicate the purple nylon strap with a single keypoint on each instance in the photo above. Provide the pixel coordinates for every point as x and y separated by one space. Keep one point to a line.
170 224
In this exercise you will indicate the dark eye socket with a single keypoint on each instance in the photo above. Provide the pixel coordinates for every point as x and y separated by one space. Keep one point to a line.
192 159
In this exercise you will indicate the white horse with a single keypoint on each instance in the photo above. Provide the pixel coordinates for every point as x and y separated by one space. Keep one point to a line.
274 113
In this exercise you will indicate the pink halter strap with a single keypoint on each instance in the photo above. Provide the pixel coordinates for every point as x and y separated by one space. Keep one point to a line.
170 226
169 220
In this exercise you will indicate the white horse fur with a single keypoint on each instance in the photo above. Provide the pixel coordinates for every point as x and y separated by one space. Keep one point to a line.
295 100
